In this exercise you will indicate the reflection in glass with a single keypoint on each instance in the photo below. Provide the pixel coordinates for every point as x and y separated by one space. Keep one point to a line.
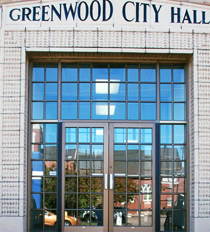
166 152
179 168
51 152
84 72
117 110
133 111
133 152
179 185
38 73
166 185
69 110
37 168
83 201
37 184
179 133
148 92
165 73
84 184
133 92
179 152
69 72
51 110
69 91
84 167
133 168
119 152
133 201
84 110
146 185
165 92
178 73
166 168
179 111
71 135
38 91
38 110
146 218
97 135
51 200
166 220
146 152
119 167
100 91
51 91
99 110
97 152
51 72
119 135
119 200
119 185
71 151
70 167
148 111
97 167
119 211
165 133
147 73
165 201
50 220
75 220
100 72
97 201
179 201
179 220
146 168
37 201
50 184
133 185
51 133
133 135
117 92
179 92
146 201
71 184
84 91
132 73
84 151
117 72
165 111
97 184
37 133
133 218
37 151
70 201
51 168
84 135
146 135
36 220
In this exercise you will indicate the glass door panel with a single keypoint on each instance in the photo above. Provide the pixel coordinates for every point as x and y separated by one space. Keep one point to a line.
131 198
85 150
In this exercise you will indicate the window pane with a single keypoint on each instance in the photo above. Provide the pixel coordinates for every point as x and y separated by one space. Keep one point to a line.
71 135
119 151
84 135
179 111
166 168
69 72
71 151
84 72
165 111
166 152
100 72
133 135
51 110
37 168
146 152
69 110
100 91
84 152
97 152
117 111
178 73
51 91
51 133
37 149
99 110
37 133
148 73
133 92
84 110
37 184
37 202
38 91
38 73
179 92
51 72
84 91
133 73
133 111
146 135
38 110
51 152
117 72
97 135
179 152
120 135
165 73
148 92
179 134
117 92
69 91
166 134
165 92
148 111
133 152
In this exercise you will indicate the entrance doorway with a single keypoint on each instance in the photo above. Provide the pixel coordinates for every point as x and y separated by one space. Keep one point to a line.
108 177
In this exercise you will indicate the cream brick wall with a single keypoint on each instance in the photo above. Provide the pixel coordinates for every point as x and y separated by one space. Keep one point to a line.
14 102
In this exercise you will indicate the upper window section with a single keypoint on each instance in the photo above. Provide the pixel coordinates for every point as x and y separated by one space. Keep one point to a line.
103 91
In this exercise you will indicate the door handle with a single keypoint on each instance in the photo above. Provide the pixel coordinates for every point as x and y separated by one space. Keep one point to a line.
111 183
105 181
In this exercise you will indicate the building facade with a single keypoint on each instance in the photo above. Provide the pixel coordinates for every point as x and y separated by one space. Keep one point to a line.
104 116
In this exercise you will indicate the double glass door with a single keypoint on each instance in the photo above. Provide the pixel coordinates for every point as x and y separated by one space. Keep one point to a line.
108 177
